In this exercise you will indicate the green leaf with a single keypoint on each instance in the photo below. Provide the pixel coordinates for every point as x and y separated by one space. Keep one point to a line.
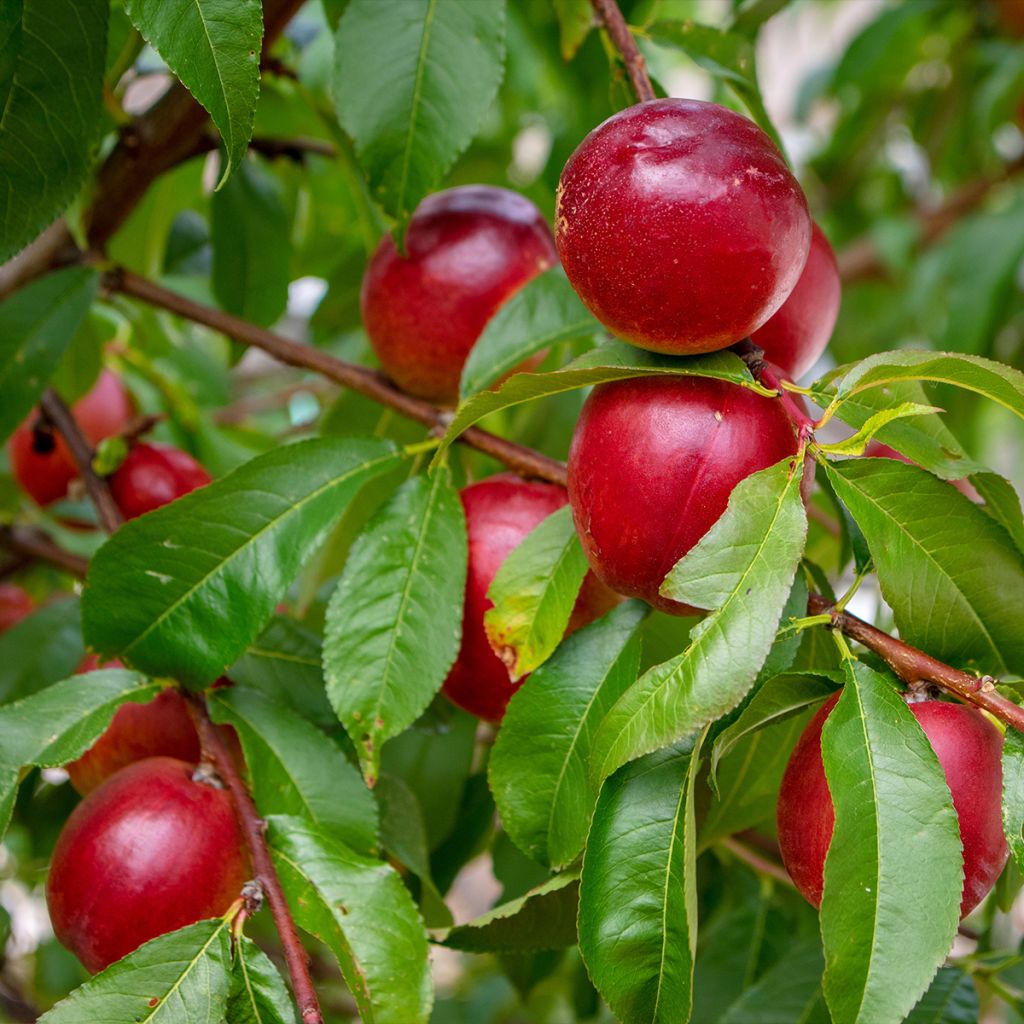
42 649
1013 794
403 833
37 324
258 992
361 910
958 601
575 20
951 999
729 56
433 759
176 607
297 770
51 89
543 313
179 978
213 47
394 621
1002 384
746 783
778 699
285 663
398 97
925 440
894 820
614 360
251 235
61 723
543 918
856 444
638 899
1002 504
534 592
789 991
546 734
743 568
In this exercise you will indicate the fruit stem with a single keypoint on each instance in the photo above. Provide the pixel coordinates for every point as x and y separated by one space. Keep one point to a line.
622 38
914 666
57 412
254 828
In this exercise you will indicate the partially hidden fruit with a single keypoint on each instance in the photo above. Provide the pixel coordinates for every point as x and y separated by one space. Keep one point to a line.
153 475
160 728
467 250
150 851
15 605
500 512
795 337
652 464
42 464
680 226
968 747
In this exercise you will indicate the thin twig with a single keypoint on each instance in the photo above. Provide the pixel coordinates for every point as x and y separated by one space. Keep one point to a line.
623 41
762 865
367 382
915 667
27 540
63 419
254 828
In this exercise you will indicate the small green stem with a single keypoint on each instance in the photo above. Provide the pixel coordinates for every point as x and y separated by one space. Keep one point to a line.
844 648
841 604
412 450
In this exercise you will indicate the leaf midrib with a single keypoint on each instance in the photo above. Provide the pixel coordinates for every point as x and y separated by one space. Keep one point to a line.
294 508
415 102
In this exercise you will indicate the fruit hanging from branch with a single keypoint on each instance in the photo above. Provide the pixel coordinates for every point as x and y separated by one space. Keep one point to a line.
969 748
651 467
154 848
467 251
680 226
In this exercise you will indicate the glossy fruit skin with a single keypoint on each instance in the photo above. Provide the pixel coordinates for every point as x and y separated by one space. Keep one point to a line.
795 337
15 605
467 250
44 476
153 475
500 512
651 466
968 747
150 851
160 728
680 226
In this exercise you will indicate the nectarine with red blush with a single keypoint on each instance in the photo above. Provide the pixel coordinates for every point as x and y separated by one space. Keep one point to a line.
652 464
467 250
968 747
153 849
500 512
680 226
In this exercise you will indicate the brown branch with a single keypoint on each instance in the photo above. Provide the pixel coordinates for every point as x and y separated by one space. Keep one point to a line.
618 31
33 543
254 828
370 383
862 259
915 667
63 419
150 145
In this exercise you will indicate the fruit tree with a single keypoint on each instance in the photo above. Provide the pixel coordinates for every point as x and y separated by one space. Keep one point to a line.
509 511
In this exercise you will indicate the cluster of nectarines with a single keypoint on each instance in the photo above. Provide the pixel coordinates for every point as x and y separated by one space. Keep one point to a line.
155 844
683 231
